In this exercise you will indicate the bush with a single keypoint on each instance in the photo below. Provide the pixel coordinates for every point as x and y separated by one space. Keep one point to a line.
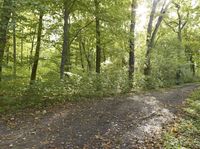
18 94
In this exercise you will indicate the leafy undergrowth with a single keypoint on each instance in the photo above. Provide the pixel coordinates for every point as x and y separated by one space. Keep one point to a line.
16 95
186 132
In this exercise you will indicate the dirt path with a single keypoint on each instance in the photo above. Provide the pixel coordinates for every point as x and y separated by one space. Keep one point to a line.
135 121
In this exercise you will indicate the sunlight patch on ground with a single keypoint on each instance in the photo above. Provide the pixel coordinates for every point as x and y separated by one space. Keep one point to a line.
151 125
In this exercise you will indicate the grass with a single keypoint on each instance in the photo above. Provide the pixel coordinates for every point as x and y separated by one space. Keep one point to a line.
185 134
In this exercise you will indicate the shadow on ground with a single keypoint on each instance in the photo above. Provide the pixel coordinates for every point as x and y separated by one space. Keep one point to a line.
131 122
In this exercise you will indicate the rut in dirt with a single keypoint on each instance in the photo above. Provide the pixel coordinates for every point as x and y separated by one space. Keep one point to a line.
120 122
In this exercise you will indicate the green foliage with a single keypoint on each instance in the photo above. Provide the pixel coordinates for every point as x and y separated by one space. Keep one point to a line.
167 57
187 131
18 94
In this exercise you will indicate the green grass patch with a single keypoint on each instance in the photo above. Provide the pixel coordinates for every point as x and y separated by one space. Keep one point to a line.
186 133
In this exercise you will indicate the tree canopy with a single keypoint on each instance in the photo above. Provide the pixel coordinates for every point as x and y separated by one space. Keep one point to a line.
75 47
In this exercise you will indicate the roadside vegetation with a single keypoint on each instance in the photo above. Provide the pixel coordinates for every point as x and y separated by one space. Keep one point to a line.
185 133
69 50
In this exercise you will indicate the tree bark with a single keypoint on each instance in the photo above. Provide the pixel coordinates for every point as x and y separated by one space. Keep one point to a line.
32 47
14 46
192 65
66 48
147 67
7 53
22 47
87 56
37 52
151 34
132 43
81 54
5 16
180 24
98 37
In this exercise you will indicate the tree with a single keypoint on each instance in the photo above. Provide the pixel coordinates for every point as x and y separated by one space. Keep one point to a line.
65 58
152 32
177 27
91 39
5 16
98 36
132 42
65 50
179 24
14 42
37 52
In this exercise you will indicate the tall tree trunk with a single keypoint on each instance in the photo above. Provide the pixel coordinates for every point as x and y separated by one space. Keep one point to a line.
180 24
22 47
132 43
14 46
151 33
104 54
81 54
37 52
32 48
98 37
7 53
180 36
192 65
65 50
5 16
147 67
87 56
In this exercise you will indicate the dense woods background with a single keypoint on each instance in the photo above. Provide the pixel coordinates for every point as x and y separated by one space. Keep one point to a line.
83 48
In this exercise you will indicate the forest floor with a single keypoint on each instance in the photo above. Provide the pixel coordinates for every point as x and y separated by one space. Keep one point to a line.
126 122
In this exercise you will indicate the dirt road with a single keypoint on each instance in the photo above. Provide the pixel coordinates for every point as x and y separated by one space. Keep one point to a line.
134 121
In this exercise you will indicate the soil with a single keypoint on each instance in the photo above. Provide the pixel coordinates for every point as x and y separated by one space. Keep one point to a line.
128 122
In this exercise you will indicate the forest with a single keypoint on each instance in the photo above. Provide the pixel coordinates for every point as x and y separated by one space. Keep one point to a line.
60 52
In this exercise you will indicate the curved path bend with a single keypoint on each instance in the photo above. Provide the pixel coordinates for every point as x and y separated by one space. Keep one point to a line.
134 121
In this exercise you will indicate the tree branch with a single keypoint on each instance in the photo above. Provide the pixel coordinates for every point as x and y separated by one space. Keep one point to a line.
185 21
72 5
77 33
160 18
169 25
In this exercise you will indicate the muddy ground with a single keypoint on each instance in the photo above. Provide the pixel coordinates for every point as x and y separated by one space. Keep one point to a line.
128 122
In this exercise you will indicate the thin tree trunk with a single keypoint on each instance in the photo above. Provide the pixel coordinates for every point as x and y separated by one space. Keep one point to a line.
104 54
179 23
65 50
98 37
87 56
14 46
192 65
37 52
32 48
7 53
5 16
81 54
180 26
22 47
132 43
76 57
